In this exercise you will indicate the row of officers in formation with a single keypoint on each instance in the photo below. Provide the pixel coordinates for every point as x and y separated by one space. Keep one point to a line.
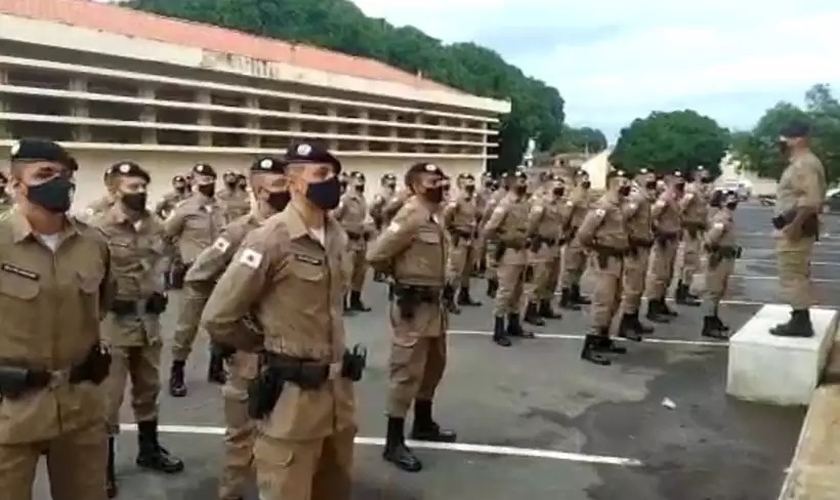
271 279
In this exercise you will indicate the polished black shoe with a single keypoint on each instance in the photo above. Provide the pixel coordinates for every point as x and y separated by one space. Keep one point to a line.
710 328
683 297
589 351
514 327
548 312
578 298
396 451
464 298
655 311
151 454
177 386
532 315
356 303
424 427
799 325
216 370
627 330
500 335
606 344
567 301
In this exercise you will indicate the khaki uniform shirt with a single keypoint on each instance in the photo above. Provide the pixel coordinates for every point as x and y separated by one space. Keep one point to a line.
351 214
802 184
604 225
51 304
138 261
168 202
97 207
722 229
509 224
291 283
637 211
461 215
546 220
195 224
665 214
377 206
694 206
234 203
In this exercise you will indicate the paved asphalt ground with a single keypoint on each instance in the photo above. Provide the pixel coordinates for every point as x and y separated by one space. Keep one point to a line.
540 423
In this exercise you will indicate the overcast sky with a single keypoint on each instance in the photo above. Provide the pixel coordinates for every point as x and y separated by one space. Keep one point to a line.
615 60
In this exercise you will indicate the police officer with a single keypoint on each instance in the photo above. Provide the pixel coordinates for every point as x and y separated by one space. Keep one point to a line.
180 192
269 184
639 226
388 190
195 223
799 198
5 197
460 219
508 228
55 286
694 212
287 274
351 214
132 327
667 226
105 202
233 197
574 255
482 196
489 245
604 232
413 250
548 215
721 245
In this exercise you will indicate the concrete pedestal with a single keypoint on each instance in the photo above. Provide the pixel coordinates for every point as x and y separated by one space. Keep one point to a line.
779 370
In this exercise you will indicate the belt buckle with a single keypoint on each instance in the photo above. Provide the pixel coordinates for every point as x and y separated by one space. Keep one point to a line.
59 378
334 371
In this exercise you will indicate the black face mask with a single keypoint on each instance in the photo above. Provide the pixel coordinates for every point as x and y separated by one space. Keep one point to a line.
732 205
231 184
488 185
469 189
520 190
706 180
680 186
360 189
325 194
650 185
136 202
585 184
278 200
391 185
180 189
784 148
558 191
624 190
208 190
54 195
434 195
243 186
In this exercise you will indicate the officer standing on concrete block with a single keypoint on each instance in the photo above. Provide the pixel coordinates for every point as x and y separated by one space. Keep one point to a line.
667 226
269 184
574 258
132 327
694 213
413 251
55 287
637 211
351 214
460 218
195 223
799 198
507 227
721 246
287 275
604 232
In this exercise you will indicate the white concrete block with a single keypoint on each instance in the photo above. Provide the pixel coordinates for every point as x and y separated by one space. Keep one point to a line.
779 370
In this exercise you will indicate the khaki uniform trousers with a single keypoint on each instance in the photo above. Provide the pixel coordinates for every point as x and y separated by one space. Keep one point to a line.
76 463
142 365
459 265
492 272
359 266
607 295
690 256
661 268
794 262
717 282
508 298
574 263
545 267
240 429
189 316
633 281
312 469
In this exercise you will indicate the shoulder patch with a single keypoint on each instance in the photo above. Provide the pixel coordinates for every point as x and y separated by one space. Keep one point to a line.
632 206
251 258
600 212
221 244
570 203
394 227
659 203
499 210
688 196
719 225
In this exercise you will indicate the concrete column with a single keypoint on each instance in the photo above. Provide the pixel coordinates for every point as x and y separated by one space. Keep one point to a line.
294 123
332 127
393 132
5 133
419 133
252 122
79 108
364 129
204 138
485 138
148 113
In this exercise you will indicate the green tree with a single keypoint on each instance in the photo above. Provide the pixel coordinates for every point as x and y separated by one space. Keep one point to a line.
341 26
669 141
757 150
577 140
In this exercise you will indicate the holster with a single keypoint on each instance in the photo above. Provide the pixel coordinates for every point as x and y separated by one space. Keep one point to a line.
529 274
263 392
408 297
179 271
17 381
354 363
155 304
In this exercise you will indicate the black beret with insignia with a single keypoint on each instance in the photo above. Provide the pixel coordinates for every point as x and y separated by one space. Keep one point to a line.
129 169
796 129
358 175
32 150
424 167
520 174
616 173
311 152
179 178
108 172
204 169
269 164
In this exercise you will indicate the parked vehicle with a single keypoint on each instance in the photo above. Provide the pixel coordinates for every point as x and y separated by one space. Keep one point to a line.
832 201
743 188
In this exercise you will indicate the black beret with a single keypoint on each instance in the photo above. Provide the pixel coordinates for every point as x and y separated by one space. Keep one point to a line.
204 169
268 164
796 129
108 172
42 150
357 175
311 152
520 174
179 178
229 173
424 167
469 177
129 169
616 173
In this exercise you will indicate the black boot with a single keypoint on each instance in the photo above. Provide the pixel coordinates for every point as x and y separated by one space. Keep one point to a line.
720 325
110 478
514 327
177 386
396 451
710 328
500 335
640 327
532 315
356 303
216 369
667 311
589 351
655 312
684 298
424 427
379 277
578 298
346 309
492 287
548 312
464 298
798 326
151 455
627 329
567 300
606 344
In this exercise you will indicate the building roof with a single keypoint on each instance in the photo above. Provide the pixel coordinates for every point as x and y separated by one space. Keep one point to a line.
128 22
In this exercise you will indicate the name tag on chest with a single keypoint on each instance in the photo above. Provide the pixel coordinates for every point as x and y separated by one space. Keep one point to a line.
10 268
308 259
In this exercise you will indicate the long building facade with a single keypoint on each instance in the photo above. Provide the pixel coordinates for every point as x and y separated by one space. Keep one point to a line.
111 83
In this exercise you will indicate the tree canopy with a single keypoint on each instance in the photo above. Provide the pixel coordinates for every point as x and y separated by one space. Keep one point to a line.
341 26
579 140
757 150
669 141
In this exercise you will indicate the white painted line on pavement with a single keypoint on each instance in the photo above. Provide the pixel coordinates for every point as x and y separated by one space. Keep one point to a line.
774 262
481 449
766 278
565 336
